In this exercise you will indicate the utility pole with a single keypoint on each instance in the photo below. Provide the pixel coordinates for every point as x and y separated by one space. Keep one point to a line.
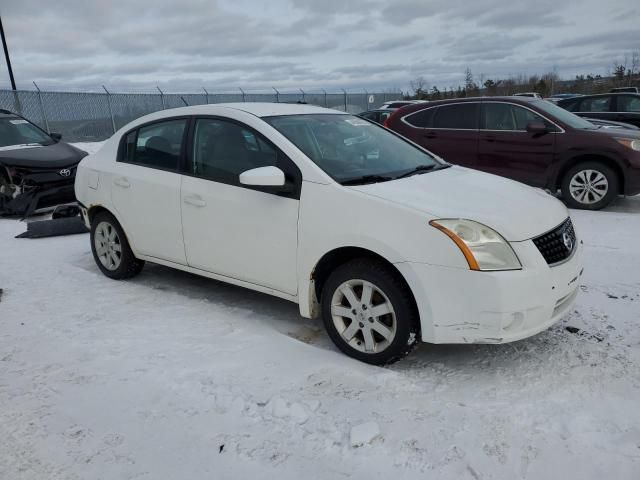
6 56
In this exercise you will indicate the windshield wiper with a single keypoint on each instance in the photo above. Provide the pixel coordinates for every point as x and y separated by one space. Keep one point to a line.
423 169
366 179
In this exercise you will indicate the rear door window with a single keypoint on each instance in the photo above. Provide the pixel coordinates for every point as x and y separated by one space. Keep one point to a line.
158 145
461 116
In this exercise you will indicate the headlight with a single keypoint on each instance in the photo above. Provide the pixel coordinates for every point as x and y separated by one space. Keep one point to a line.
483 247
629 143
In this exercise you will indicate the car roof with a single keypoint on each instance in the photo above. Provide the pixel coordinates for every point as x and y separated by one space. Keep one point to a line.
610 94
507 99
259 109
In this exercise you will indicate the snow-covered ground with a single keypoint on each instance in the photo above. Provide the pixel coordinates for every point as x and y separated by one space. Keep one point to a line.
173 376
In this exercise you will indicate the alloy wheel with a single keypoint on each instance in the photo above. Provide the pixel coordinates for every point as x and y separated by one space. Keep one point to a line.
588 186
363 316
108 246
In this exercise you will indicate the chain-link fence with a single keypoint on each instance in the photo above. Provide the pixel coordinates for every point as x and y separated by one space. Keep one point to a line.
93 116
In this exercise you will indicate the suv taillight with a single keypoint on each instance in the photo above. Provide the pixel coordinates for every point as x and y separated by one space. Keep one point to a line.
387 122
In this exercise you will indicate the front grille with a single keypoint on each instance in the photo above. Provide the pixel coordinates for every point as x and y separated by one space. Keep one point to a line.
558 244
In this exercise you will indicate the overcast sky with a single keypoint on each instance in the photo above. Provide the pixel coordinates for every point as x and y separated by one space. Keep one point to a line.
332 44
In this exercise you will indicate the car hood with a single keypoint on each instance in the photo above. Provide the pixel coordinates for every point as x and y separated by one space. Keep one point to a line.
57 155
620 133
516 211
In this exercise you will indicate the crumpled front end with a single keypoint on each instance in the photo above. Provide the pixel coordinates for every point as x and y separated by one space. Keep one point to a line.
25 190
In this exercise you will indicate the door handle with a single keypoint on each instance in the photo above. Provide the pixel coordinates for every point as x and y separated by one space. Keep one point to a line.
489 138
430 135
122 182
194 200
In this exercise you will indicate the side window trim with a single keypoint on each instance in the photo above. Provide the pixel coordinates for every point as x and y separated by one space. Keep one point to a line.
122 149
185 166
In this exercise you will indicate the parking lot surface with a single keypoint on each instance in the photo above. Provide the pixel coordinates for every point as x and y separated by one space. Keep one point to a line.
170 375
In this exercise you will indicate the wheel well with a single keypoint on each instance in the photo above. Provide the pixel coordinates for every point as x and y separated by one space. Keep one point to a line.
592 158
333 259
93 211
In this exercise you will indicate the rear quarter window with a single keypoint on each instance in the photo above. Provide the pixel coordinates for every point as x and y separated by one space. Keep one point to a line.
421 118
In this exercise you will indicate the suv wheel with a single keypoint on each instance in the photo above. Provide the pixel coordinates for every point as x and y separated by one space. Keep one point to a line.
590 186
111 250
369 312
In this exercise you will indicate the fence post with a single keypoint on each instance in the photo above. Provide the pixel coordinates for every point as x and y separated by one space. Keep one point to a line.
345 99
325 98
44 115
277 94
113 120
206 95
303 99
243 97
161 97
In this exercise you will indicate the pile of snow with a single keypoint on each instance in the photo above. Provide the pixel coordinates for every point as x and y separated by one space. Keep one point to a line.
363 434
170 375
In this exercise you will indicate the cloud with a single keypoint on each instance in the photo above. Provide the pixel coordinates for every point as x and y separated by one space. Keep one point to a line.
619 40
492 13
392 43
485 46
329 44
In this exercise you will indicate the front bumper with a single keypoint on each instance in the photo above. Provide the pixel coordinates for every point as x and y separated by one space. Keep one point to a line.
463 306
632 181
37 191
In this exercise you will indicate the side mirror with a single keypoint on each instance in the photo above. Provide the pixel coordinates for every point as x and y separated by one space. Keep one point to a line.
537 128
56 136
263 177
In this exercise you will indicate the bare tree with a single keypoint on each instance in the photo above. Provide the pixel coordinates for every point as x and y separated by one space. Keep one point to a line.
419 87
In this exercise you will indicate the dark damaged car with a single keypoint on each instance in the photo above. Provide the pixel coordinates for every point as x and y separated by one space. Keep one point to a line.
37 170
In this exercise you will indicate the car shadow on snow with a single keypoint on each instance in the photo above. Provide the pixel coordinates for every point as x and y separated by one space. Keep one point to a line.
281 315
624 205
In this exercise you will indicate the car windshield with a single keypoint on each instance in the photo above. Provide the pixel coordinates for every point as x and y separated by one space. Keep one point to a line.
565 116
18 131
349 148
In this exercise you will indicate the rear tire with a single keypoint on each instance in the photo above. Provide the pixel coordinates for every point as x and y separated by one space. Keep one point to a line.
590 186
111 250
369 312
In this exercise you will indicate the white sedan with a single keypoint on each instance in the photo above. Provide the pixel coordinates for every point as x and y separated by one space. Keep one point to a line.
385 241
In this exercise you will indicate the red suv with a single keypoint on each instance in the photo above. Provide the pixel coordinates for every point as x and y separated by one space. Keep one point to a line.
529 140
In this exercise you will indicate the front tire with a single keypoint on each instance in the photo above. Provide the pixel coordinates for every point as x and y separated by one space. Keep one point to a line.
111 250
369 312
590 186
